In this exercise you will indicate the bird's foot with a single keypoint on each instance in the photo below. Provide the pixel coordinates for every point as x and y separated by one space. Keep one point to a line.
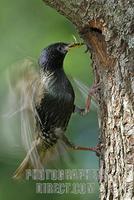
92 92
94 88
96 149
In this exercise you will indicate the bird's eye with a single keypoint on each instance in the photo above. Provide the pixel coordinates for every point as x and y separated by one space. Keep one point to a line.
59 48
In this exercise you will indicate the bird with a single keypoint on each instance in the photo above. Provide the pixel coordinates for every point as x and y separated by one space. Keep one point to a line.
52 102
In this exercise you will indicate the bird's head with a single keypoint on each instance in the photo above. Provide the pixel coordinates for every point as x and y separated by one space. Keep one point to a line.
52 57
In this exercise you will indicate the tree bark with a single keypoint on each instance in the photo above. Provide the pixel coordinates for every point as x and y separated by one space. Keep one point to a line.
107 28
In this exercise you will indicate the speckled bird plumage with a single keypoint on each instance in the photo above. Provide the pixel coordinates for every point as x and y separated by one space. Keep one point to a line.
52 103
49 96
57 102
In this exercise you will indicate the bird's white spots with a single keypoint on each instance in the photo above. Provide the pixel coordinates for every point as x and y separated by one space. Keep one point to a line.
47 79
58 131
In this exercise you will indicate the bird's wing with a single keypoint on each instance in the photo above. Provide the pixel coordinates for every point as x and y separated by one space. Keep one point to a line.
22 78
24 89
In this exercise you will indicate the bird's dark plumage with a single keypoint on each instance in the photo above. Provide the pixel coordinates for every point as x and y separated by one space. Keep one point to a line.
52 102
56 105
52 57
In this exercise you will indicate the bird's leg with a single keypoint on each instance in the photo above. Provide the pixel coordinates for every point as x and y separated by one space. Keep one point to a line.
76 147
92 91
95 149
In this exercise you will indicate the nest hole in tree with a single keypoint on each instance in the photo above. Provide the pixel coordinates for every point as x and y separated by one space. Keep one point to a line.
93 34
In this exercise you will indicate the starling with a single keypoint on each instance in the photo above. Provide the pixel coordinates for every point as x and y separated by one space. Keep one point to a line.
52 104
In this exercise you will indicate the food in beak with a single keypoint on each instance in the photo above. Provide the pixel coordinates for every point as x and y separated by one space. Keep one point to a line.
73 45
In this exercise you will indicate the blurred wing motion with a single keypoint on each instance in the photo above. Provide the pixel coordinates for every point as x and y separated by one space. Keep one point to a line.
22 80
23 88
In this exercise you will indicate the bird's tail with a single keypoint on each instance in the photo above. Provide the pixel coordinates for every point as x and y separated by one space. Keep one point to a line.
34 159
39 156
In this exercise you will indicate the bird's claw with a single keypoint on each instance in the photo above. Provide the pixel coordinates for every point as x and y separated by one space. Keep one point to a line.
94 89
91 93
96 149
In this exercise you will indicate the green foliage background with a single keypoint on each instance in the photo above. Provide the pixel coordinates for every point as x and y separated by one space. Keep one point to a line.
26 27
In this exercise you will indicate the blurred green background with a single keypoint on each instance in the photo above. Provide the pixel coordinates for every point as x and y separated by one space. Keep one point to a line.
26 27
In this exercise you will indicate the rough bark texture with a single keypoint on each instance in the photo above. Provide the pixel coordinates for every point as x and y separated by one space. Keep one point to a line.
107 28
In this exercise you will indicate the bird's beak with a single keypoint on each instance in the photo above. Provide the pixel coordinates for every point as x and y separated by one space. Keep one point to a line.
73 45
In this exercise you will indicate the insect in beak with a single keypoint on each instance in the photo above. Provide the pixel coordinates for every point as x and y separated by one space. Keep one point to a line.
74 45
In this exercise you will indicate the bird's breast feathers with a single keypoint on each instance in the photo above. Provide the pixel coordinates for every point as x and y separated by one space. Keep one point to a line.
58 86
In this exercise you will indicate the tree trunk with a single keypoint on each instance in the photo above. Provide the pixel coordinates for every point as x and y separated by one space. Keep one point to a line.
107 28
